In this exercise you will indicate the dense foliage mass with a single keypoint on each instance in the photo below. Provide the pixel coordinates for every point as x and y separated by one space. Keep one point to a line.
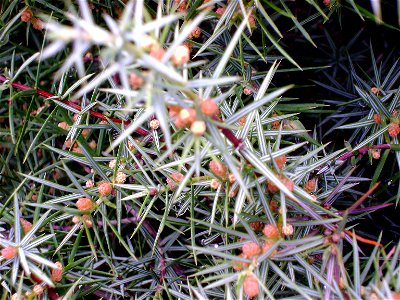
199 149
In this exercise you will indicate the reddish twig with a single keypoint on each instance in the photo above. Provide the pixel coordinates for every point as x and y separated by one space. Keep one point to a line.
95 114
229 134
361 239
362 151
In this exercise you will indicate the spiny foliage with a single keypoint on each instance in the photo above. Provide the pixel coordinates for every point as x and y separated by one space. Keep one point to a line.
147 153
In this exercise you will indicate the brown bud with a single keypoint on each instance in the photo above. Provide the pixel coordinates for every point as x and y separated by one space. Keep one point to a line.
251 286
56 274
251 249
218 168
105 189
37 24
9 252
271 231
209 108
280 161
84 204
394 129
26 15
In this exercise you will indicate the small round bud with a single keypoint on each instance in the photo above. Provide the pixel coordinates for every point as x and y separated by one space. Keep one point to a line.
153 191
251 249
327 3
26 15
176 178
68 144
56 274
287 230
209 108
181 55
157 53
181 5
112 164
38 289
34 197
154 124
92 144
274 205
9 252
220 11
247 91
63 125
252 21
135 81
195 33
218 168
85 132
120 177
257 226
76 219
187 116
375 90
37 23
375 154
275 124
26 225
281 161
271 231
377 118
77 150
336 237
105 189
214 184
231 178
87 220
242 120
310 185
394 129
84 204
251 286
198 128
